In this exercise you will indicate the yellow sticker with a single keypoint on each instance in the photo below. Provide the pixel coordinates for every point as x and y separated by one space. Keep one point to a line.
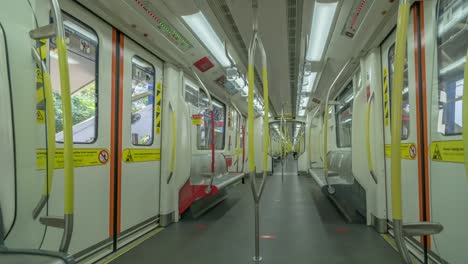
197 121
408 151
158 108
141 155
40 116
81 158
448 151
386 98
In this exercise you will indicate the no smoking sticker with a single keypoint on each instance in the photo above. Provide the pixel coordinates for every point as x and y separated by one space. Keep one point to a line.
103 156
412 151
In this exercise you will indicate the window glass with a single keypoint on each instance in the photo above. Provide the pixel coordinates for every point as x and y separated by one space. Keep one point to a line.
204 130
82 47
344 117
405 114
142 117
191 95
452 45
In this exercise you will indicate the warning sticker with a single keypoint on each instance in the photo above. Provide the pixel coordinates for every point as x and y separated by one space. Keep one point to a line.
41 48
408 151
158 108
197 119
40 116
81 158
386 98
448 151
141 155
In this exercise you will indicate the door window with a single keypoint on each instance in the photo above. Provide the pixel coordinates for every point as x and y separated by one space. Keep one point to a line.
82 46
405 114
142 119
452 46
204 130
344 117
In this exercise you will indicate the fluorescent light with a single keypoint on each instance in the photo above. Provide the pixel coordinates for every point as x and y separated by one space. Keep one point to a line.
453 66
310 81
321 24
301 113
200 26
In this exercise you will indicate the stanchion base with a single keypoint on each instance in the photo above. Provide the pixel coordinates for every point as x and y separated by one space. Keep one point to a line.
257 259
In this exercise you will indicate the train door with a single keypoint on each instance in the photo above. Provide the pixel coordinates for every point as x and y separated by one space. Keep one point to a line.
415 123
139 101
410 136
446 51
89 58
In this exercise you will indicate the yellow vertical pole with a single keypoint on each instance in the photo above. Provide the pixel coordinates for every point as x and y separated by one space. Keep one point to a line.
266 119
400 53
251 119
465 114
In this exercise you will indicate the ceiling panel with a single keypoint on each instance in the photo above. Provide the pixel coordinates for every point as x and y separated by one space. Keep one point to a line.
273 31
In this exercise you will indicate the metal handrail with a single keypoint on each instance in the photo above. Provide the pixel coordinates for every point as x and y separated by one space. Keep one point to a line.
213 143
255 43
330 188
50 118
174 142
368 143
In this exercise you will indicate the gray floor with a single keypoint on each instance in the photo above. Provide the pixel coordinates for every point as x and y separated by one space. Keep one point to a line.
304 225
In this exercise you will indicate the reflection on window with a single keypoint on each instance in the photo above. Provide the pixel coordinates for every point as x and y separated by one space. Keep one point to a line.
204 131
405 113
452 46
191 95
82 47
142 117
344 117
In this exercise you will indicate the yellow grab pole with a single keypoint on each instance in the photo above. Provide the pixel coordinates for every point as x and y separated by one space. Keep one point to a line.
251 118
50 114
67 126
266 125
395 159
465 115
400 53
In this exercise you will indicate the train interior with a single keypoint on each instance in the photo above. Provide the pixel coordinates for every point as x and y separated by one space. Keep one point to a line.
233 131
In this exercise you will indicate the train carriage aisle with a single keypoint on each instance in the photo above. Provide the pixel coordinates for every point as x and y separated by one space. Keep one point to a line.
233 131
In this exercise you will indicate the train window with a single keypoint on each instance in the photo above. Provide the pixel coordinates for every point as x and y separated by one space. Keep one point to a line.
344 117
405 118
191 95
204 130
452 46
142 116
82 47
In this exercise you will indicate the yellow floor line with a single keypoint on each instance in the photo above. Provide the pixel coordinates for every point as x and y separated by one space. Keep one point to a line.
130 246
